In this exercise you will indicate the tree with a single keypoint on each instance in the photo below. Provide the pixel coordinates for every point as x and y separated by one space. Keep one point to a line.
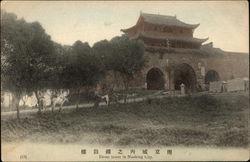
27 52
57 84
122 55
127 57
103 50
11 65
82 68
42 59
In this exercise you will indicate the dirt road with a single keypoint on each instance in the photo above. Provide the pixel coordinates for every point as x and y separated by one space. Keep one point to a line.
89 105
129 100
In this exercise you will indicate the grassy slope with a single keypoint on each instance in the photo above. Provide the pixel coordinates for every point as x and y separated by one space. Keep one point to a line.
203 120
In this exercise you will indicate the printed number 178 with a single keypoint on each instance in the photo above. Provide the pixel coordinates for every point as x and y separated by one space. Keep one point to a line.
23 156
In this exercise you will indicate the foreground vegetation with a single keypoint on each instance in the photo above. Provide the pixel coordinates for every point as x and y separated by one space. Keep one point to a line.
32 63
190 121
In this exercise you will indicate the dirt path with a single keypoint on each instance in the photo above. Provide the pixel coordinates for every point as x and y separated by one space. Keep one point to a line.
90 105
129 100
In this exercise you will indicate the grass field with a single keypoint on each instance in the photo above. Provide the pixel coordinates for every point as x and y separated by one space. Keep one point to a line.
187 121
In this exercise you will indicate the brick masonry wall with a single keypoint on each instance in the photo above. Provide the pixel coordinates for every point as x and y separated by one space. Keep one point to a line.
229 65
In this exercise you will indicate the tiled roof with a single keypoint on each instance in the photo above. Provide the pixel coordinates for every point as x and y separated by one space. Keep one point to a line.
166 20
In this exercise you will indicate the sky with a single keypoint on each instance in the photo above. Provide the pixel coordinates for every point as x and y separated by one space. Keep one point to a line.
225 23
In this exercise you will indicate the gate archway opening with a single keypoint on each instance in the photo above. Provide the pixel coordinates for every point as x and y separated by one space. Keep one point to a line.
185 74
211 76
155 79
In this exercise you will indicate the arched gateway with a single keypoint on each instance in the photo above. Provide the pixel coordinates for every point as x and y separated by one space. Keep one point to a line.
155 79
185 74
211 76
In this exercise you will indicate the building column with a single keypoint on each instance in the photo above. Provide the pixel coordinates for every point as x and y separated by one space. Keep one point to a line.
171 80
200 76
167 80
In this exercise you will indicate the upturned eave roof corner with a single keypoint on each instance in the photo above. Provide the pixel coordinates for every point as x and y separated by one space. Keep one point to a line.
126 30
205 39
196 26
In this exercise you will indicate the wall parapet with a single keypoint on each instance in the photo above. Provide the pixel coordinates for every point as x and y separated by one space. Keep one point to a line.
201 52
